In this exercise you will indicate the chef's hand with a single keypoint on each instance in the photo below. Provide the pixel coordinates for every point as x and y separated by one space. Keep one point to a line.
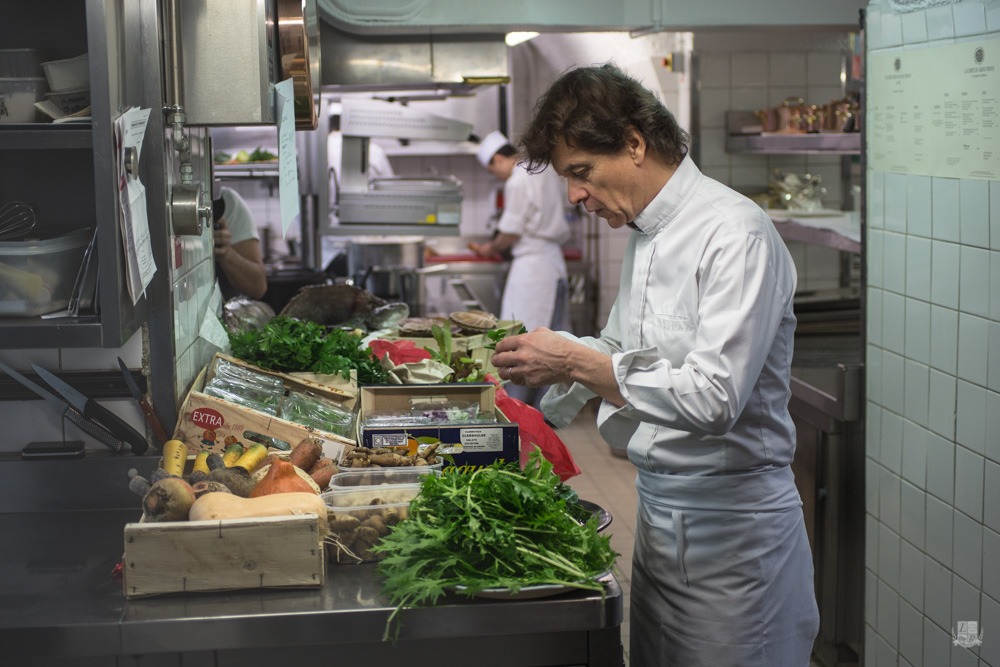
223 238
533 359
482 249
543 357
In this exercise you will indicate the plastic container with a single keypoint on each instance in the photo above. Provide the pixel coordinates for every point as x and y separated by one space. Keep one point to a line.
38 276
21 63
18 97
71 101
355 530
68 75
375 486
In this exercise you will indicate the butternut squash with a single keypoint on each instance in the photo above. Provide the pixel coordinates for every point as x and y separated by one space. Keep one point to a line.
214 506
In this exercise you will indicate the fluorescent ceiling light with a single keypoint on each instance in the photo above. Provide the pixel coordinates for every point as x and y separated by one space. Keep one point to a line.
514 38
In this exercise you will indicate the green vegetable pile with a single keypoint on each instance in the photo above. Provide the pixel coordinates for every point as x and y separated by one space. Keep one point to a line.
288 345
497 527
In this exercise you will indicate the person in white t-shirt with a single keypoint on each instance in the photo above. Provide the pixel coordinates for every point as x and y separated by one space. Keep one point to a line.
238 260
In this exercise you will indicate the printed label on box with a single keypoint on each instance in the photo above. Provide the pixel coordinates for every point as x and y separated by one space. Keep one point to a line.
388 440
482 439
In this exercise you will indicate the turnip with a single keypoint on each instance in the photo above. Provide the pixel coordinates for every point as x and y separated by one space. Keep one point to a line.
169 499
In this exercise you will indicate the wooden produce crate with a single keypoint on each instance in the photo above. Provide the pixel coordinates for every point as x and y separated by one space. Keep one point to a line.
209 422
232 554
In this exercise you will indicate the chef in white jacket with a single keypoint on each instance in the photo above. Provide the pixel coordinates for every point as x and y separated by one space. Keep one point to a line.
694 372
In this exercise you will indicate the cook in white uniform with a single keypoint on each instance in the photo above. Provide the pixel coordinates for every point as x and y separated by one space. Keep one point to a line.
533 225
694 371
239 263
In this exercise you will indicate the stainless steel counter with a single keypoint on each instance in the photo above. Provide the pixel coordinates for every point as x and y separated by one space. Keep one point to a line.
59 602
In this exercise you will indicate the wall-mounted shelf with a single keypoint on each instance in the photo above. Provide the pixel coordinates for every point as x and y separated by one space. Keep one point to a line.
35 136
839 143
816 231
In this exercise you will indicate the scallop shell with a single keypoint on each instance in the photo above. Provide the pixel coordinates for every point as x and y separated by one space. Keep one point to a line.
422 326
474 320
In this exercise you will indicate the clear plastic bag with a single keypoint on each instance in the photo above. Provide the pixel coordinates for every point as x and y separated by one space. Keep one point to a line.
309 409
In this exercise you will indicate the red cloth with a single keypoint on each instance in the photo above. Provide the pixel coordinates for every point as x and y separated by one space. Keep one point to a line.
400 352
535 432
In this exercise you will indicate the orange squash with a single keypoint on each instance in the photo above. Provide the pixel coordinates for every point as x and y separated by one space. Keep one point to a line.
281 477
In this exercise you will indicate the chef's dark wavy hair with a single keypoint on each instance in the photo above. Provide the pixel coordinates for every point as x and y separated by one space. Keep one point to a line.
593 109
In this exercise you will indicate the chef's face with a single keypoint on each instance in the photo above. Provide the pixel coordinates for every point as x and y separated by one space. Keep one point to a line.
501 166
605 184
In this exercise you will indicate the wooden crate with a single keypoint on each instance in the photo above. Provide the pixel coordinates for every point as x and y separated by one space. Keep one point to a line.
232 554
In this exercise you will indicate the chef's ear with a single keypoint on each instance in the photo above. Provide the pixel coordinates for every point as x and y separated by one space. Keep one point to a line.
635 145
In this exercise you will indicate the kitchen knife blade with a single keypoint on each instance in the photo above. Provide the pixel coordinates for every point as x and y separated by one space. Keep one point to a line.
95 412
92 429
147 409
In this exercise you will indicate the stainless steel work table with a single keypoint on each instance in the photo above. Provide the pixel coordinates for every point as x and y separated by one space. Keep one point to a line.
60 604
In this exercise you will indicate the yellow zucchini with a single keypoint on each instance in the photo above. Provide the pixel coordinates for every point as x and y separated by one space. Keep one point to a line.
174 457
213 506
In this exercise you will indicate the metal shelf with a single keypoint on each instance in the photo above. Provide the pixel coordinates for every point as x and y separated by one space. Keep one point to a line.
34 332
793 230
45 136
838 143
247 170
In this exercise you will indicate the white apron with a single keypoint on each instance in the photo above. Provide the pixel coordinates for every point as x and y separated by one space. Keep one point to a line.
691 606
529 294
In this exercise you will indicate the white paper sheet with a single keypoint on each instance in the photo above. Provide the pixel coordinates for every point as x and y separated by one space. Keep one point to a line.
130 128
288 172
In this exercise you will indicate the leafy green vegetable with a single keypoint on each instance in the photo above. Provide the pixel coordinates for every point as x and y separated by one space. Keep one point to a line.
497 335
262 155
497 527
288 345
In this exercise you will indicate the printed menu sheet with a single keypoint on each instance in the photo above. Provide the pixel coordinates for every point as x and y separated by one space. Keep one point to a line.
934 111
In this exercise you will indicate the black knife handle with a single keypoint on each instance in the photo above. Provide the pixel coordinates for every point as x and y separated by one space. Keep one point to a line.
118 427
96 431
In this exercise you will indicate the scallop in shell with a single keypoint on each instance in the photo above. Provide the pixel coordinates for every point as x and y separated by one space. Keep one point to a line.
474 320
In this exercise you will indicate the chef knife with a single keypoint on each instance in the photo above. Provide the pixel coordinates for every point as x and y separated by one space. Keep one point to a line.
147 409
92 429
95 412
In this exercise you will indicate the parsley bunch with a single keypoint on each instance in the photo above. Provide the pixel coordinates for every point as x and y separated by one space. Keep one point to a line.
497 527
288 345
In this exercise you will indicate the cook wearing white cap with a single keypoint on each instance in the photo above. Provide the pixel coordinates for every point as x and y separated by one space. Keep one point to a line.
533 225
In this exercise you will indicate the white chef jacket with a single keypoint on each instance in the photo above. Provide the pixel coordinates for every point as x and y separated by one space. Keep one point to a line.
238 217
534 211
700 339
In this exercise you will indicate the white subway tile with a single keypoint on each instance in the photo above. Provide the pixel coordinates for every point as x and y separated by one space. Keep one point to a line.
787 68
918 328
778 93
994 285
945 208
995 202
914 27
885 653
895 202
714 102
993 25
713 70
873 432
875 212
970 17
990 651
892 379
940 471
913 520
887 618
992 450
824 68
889 509
873 310
940 22
894 269
876 257
746 98
750 179
970 416
944 339
969 482
873 27
945 273
941 410
940 529
937 642
918 205
892 29
888 559
819 94
916 391
873 376
967 556
911 634
991 495
871 600
749 69
915 454
973 343
974 212
991 564
872 476
713 148
918 268
893 312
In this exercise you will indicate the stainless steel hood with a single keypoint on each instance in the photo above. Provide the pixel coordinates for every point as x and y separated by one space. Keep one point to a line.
454 62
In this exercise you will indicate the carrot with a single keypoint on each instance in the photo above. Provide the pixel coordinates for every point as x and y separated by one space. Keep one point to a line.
323 475
306 453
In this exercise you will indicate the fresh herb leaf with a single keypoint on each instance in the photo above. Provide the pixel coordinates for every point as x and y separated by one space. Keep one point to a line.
497 527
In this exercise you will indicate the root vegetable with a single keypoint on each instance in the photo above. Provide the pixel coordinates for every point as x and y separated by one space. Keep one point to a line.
236 479
138 484
159 473
306 453
232 453
253 455
196 476
201 462
214 461
321 462
174 457
169 499
322 476
201 488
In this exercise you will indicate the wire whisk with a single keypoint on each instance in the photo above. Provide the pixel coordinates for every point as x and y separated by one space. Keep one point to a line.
16 219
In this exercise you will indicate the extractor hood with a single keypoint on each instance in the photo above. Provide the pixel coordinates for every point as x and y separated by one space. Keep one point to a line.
452 62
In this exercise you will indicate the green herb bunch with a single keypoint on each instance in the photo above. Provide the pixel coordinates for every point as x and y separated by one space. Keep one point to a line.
289 345
497 527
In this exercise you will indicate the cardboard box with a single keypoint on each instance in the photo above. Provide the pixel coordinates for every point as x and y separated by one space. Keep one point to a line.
208 422
470 446
473 346
232 554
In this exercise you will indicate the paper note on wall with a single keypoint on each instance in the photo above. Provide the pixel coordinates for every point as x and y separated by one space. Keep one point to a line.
288 172
130 128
